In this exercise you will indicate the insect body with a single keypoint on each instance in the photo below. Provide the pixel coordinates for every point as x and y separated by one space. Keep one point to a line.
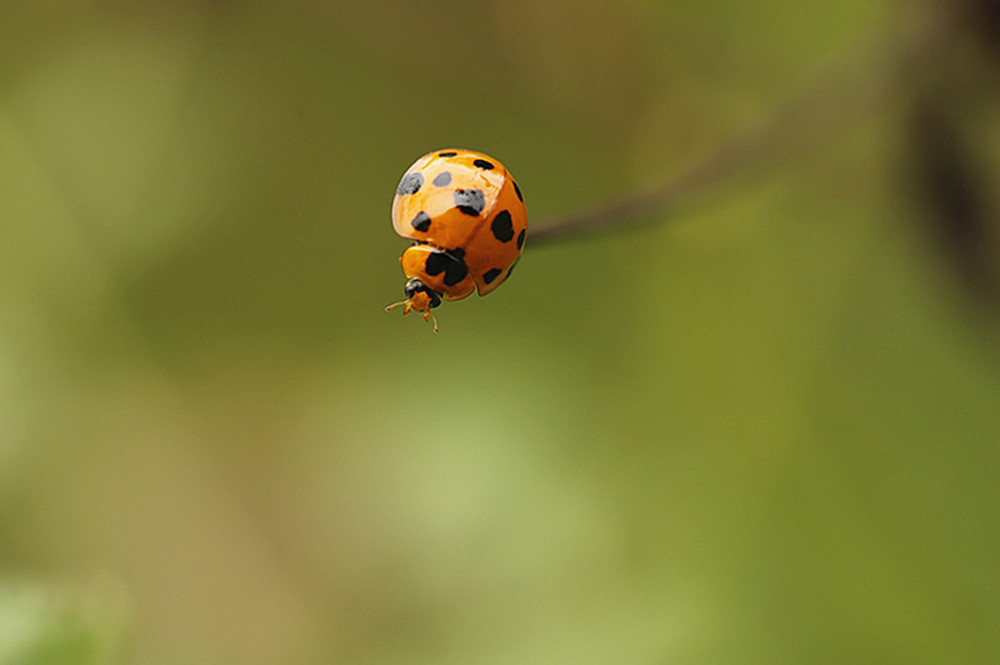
466 217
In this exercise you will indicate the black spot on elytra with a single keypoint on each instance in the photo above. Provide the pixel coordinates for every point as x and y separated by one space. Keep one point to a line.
447 154
454 270
511 269
502 227
470 201
517 190
520 239
410 184
491 275
458 254
483 164
442 179
421 222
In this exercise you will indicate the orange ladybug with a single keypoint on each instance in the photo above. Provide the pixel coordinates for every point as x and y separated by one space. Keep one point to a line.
466 217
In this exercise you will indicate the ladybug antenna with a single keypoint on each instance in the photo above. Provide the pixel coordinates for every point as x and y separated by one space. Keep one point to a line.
397 304
408 307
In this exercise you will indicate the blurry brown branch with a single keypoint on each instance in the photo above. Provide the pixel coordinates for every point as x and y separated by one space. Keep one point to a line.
835 99
949 160
954 196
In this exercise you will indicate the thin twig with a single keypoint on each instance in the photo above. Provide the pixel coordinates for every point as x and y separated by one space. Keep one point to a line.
840 96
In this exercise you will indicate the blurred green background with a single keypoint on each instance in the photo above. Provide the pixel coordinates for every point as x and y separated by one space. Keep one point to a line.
765 432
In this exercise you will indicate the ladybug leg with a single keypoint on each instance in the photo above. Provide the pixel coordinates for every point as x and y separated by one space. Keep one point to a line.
428 315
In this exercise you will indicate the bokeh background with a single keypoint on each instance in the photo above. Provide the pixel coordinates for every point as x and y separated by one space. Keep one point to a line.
763 431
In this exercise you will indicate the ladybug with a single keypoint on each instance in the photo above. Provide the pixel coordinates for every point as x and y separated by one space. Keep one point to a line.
466 218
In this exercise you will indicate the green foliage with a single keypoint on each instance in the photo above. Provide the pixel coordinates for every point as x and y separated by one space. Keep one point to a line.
61 625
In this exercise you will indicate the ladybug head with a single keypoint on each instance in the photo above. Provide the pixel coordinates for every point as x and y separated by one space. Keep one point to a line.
419 298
